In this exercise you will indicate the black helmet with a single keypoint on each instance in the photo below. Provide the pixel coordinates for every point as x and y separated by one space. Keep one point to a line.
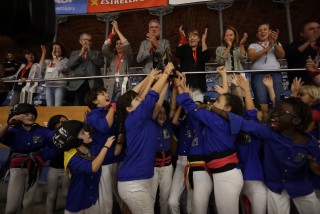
66 136
54 120
22 108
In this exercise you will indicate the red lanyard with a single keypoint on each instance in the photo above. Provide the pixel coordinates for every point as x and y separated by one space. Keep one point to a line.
266 59
194 53
24 70
119 59
52 64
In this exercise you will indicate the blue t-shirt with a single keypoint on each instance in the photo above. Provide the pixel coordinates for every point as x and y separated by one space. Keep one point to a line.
285 163
141 134
96 119
250 153
218 134
83 191
186 133
164 135
38 139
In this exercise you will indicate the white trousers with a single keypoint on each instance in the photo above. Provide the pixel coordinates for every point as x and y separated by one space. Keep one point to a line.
17 187
93 209
114 173
162 178
105 190
177 185
280 203
55 178
200 195
227 189
136 195
256 191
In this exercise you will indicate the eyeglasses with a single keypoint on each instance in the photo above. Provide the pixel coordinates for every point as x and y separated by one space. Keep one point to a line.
281 112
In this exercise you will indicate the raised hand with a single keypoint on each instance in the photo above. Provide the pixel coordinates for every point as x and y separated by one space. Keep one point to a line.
178 82
234 80
243 83
273 37
219 89
296 84
268 81
153 75
43 48
181 31
244 39
221 70
204 35
115 26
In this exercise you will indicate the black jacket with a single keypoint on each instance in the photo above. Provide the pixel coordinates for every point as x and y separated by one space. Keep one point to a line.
187 63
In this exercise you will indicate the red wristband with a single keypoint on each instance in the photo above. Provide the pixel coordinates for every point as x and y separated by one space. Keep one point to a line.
111 36
183 40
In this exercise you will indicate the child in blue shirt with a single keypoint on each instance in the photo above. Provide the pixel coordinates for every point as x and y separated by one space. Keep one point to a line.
220 146
30 146
101 120
85 169
291 157
135 123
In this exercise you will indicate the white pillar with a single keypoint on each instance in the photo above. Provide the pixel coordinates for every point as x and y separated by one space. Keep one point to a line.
220 5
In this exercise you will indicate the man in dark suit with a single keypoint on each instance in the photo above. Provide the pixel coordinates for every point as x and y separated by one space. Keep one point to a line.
84 63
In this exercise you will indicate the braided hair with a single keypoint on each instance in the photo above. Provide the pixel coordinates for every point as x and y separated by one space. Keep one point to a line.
123 102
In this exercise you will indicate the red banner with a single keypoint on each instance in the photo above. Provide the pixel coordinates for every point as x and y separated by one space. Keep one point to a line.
100 6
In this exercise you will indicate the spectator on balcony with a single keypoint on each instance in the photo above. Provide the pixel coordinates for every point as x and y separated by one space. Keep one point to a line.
120 59
193 58
264 56
84 63
232 54
54 67
27 71
8 67
152 48
298 51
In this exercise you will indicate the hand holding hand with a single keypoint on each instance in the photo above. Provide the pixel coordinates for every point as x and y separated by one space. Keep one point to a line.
179 81
153 74
169 68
